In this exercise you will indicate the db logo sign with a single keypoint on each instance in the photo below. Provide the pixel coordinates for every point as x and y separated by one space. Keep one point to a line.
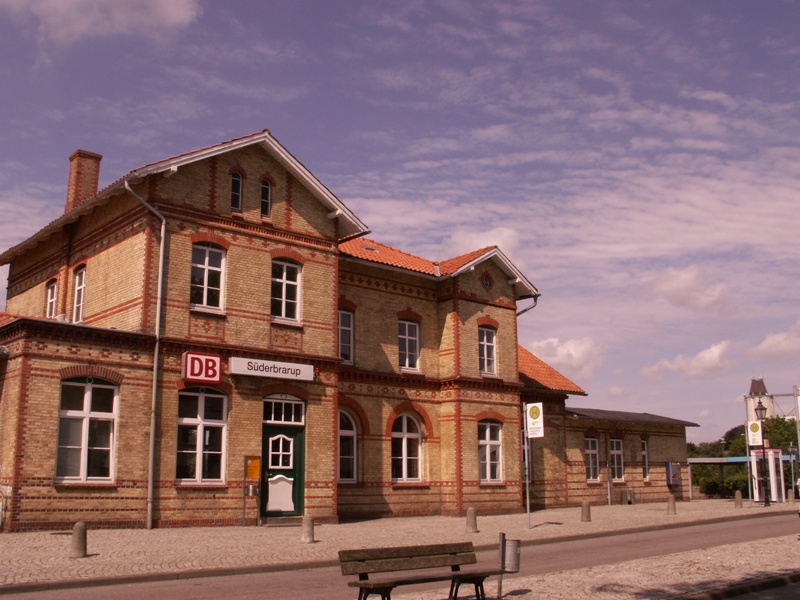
201 368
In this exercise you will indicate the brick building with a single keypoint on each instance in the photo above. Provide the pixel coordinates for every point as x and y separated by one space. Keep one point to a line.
212 339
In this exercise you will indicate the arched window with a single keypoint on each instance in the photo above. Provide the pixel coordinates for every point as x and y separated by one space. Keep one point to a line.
202 430
208 277
285 301
490 452
236 192
348 448
487 351
51 295
406 449
87 422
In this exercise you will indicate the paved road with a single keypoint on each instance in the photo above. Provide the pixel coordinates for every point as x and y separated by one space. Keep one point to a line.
572 566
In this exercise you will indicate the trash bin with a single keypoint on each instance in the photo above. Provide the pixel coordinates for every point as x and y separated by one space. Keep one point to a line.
511 563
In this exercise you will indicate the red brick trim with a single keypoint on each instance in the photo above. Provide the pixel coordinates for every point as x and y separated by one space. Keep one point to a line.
210 238
355 407
95 371
346 304
409 315
285 388
490 415
238 169
224 387
487 321
287 254
269 178
406 407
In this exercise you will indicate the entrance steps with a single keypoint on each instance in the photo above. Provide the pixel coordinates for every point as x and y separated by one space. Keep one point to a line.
283 521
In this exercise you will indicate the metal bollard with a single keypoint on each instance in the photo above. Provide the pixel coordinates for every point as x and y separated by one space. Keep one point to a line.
586 512
472 520
671 505
307 536
78 549
737 499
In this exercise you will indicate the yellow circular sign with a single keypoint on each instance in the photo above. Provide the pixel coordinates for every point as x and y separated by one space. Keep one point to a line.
534 412
754 427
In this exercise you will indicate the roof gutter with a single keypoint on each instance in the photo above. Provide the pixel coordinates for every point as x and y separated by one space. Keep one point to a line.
156 353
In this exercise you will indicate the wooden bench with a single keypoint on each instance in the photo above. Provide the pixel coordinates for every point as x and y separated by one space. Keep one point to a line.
368 561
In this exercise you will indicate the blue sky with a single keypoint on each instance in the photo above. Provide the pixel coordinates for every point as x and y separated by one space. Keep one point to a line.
639 161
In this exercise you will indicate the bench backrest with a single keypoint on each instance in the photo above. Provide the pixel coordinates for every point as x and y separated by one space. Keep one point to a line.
406 558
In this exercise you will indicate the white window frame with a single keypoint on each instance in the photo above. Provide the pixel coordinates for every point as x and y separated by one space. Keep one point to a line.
408 350
349 434
237 192
206 269
86 416
79 298
282 282
490 452
487 350
592 458
280 410
645 461
346 335
275 460
406 450
203 427
616 459
51 298
266 199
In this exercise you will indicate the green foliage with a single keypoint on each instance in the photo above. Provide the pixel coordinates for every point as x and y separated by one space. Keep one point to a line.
779 431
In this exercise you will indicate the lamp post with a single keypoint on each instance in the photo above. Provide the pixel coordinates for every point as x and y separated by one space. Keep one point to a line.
761 412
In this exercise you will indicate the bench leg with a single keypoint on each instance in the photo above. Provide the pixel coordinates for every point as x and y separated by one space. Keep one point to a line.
480 594
386 593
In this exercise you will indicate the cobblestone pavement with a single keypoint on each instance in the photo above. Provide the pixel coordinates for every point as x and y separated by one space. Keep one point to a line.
43 558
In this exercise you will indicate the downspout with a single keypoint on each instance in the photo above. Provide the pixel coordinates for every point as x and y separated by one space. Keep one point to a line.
156 353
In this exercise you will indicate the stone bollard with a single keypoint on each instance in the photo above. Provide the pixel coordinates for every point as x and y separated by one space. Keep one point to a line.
307 536
586 512
671 505
472 520
78 549
737 499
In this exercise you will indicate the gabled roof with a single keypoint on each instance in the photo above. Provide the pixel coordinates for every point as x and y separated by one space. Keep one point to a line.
535 373
758 387
618 416
371 251
349 224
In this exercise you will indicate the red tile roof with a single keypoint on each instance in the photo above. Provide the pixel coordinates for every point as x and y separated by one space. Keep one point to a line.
368 249
535 373
7 317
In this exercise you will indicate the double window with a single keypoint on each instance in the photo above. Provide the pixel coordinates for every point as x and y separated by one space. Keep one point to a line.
591 458
285 301
617 465
87 420
348 438
490 453
346 336
486 350
80 295
408 345
202 427
208 276
406 449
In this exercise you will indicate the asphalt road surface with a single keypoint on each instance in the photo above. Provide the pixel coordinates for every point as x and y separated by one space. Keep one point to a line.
329 584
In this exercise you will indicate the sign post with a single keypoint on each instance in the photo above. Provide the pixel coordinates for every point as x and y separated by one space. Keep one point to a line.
534 428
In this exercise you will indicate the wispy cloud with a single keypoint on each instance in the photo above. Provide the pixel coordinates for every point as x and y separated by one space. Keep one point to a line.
709 361
780 346
576 358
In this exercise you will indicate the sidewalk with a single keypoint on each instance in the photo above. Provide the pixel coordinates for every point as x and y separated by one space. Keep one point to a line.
41 560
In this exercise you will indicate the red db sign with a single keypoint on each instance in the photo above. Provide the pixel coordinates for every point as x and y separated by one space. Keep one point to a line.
201 368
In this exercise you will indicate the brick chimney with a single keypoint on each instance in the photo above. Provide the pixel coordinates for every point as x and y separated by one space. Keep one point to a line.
84 173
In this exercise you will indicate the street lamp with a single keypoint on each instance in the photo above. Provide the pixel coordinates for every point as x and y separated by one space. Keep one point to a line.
761 412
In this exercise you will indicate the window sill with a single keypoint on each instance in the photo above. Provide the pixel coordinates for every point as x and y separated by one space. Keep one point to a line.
617 482
595 482
204 310
410 485
193 485
286 323
100 485
491 484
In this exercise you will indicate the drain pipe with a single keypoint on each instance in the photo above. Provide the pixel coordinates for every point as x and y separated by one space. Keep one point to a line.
156 352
